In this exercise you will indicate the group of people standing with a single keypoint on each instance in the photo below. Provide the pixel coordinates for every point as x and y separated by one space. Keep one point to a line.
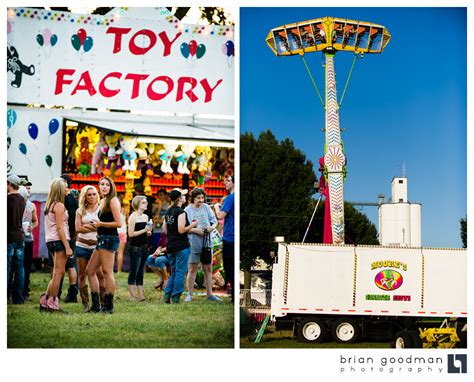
89 230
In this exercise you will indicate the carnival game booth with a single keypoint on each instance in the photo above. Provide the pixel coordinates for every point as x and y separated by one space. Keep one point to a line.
134 94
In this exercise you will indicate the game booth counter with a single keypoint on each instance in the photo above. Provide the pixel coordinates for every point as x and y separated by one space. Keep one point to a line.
134 94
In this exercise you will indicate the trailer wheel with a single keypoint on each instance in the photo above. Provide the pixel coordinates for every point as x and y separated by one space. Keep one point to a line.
403 340
345 330
311 330
417 341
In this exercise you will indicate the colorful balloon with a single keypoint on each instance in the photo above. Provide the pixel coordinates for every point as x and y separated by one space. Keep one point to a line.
192 47
54 40
88 42
33 130
53 126
49 160
9 142
11 117
82 35
39 39
76 42
9 27
230 48
46 36
22 148
201 49
185 50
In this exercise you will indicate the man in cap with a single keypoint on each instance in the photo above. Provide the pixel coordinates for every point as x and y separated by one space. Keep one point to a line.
15 238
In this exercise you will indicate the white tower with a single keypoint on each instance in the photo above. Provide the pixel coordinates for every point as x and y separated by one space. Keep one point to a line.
400 220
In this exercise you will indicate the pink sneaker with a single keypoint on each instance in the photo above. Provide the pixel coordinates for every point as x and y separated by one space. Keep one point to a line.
43 302
53 304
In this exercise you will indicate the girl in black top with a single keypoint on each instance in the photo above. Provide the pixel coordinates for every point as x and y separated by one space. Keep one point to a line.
177 245
107 244
138 230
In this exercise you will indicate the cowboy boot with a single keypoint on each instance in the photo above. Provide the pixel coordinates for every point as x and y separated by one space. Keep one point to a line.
101 294
84 291
71 294
43 302
95 307
109 303
53 304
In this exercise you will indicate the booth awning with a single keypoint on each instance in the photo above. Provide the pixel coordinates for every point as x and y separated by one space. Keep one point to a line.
161 129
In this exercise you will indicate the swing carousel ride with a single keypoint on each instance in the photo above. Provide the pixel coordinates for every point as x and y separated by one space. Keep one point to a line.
329 35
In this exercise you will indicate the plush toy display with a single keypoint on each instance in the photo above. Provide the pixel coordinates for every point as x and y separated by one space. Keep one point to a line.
166 155
128 149
229 163
98 159
202 160
84 158
183 156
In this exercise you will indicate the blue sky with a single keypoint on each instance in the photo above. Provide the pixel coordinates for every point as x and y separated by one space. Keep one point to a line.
404 106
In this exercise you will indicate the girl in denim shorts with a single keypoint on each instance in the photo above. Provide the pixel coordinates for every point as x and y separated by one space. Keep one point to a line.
86 239
138 230
107 244
57 241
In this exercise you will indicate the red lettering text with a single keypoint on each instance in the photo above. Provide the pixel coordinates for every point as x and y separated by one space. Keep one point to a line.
118 32
181 82
104 90
60 81
208 90
85 83
137 50
157 96
136 78
167 43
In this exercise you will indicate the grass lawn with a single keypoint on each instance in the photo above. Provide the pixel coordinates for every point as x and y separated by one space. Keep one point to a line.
151 324
284 339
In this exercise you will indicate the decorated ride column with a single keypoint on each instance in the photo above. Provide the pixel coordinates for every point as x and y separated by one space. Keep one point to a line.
334 158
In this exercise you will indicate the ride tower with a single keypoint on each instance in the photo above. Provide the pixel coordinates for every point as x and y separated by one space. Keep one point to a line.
329 35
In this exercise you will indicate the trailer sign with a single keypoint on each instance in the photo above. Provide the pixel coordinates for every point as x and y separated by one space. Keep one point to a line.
388 279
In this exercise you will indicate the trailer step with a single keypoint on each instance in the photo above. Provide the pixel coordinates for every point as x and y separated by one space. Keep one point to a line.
263 326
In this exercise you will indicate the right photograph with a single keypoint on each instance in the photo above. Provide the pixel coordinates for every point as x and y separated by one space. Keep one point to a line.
353 168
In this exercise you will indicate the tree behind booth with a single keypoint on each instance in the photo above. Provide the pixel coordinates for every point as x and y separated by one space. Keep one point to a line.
276 200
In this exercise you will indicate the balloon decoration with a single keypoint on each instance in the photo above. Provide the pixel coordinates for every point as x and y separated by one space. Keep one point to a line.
228 50
11 118
80 39
47 38
54 40
9 27
53 127
49 161
33 130
24 151
9 142
192 50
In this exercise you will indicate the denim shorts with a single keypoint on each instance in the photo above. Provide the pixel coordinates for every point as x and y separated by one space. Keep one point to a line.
108 242
55 246
84 253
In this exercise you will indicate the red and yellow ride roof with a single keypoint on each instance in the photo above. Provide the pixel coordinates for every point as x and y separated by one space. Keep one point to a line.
328 33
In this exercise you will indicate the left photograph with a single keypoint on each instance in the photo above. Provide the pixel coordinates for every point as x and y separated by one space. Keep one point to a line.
120 177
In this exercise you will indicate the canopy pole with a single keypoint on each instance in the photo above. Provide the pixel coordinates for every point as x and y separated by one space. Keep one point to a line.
312 80
348 79
312 217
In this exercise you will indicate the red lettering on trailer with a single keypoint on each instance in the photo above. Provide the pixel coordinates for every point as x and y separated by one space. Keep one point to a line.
319 310
285 309
368 311
335 310
448 312
302 309
405 311
384 311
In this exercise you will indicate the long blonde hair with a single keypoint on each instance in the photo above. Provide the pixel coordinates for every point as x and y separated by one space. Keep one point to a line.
56 194
83 198
112 194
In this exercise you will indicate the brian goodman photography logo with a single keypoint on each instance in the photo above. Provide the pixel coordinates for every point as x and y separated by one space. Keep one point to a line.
411 364
457 363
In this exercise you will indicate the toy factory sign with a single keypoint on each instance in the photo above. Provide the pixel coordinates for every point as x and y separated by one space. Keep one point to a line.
124 63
